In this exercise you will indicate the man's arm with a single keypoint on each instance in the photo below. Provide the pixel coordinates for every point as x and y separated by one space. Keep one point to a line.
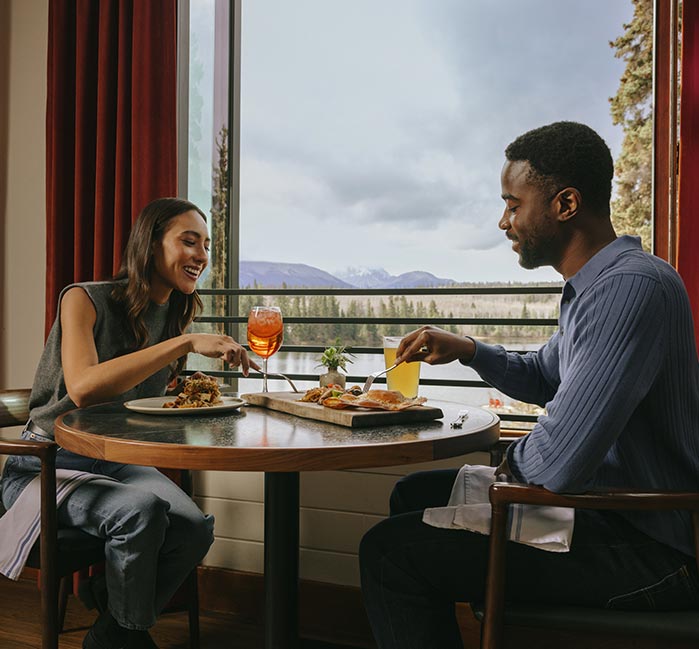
531 377
618 350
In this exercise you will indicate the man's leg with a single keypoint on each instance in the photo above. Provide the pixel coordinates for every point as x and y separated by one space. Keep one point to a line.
413 573
410 604
422 489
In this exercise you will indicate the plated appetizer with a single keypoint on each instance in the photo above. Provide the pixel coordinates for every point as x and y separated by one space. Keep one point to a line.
197 393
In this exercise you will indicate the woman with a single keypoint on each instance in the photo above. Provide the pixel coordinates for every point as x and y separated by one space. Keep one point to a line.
119 340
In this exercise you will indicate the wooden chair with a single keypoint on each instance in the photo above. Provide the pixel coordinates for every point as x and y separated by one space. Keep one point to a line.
61 552
673 625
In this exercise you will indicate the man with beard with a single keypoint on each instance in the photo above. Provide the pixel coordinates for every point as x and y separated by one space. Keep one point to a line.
620 381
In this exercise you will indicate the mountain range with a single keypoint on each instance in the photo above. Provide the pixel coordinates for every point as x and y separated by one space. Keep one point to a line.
276 274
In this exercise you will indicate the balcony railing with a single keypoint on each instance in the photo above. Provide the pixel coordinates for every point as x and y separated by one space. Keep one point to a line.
229 301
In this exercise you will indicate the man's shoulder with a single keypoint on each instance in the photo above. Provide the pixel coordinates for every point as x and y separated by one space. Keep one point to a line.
639 263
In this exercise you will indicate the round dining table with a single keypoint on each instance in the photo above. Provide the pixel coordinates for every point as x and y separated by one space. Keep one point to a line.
280 445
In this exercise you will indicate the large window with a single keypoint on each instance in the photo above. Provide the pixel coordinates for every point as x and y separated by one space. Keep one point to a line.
371 138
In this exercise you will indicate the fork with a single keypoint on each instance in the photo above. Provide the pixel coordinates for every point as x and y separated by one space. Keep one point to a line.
278 375
374 375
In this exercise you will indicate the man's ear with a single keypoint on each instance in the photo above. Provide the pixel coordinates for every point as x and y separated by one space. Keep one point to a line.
567 203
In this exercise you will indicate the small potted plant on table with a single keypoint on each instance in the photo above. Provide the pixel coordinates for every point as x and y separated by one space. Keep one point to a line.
334 359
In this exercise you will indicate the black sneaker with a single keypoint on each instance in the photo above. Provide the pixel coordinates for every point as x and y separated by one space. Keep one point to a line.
106 633
140 640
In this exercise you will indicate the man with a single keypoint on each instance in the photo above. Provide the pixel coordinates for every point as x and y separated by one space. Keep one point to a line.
620 381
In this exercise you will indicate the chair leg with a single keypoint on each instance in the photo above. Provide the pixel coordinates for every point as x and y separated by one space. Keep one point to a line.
65 589
193 609
49 611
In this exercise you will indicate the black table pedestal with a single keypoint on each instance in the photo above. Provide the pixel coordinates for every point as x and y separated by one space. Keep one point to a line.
281 560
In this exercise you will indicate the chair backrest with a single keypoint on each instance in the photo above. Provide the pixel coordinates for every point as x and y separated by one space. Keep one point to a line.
14 407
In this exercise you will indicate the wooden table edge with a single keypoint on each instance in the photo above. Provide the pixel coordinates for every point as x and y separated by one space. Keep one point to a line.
273 459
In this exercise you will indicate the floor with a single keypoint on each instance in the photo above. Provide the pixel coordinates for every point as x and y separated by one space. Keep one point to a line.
20 625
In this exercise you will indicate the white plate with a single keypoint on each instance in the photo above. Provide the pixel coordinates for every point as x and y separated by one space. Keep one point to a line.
154 406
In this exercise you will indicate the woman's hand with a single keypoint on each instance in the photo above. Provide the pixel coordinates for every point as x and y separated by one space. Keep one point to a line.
220 346
435 347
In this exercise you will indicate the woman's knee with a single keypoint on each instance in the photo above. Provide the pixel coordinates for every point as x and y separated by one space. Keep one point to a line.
201 535
140 513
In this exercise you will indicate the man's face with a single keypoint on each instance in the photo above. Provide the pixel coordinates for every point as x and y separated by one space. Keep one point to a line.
528 219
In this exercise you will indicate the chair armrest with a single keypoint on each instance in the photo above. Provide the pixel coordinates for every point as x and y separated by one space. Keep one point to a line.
46 452
27 447
504 493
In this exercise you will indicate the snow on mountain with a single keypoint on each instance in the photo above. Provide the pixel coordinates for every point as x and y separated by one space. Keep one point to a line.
379 278
365 277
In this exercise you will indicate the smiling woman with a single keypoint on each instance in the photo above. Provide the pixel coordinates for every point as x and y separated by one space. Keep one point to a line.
122 340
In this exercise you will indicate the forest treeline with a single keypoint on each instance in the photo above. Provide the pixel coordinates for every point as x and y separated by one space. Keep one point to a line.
370 334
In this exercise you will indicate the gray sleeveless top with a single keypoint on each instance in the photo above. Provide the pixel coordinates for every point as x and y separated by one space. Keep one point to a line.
113 338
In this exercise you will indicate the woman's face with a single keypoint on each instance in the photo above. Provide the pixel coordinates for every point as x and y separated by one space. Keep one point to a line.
180 256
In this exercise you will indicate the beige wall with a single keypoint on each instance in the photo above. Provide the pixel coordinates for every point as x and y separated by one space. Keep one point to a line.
23 43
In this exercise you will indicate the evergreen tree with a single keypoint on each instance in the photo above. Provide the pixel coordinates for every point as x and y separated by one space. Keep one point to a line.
219 225
631 107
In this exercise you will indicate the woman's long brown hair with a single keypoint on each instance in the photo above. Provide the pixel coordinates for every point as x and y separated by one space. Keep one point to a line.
137 267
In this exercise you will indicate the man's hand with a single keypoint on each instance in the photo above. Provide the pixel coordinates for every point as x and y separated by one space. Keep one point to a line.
435 347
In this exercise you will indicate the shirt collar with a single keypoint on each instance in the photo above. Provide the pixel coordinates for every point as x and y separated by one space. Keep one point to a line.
598 262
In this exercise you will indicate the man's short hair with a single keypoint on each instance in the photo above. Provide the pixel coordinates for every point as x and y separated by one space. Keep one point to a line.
568 154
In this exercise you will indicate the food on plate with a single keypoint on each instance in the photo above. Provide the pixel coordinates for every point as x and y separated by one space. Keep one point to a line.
374 400
197 393
317 395
335 397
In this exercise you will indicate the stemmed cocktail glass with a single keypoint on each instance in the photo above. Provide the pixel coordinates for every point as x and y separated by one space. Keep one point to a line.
265 334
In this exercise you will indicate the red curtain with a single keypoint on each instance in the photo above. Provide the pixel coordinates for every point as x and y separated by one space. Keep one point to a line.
111 143
688 219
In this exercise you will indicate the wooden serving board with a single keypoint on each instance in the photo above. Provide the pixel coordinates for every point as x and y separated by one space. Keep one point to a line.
351 417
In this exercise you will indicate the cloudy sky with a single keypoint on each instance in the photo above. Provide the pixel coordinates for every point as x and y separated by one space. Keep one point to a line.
373 130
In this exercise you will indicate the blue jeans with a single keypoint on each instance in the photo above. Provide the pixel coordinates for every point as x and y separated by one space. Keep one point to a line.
155 535
413 573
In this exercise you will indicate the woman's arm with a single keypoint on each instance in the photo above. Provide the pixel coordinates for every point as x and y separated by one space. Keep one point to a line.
88 381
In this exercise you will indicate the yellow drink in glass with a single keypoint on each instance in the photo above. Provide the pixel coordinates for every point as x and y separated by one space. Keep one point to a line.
406 377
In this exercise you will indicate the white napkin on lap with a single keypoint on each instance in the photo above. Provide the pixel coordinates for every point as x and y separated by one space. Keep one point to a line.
20 526
546 528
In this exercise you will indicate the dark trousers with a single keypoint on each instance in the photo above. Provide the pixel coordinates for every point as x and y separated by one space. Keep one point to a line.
412 573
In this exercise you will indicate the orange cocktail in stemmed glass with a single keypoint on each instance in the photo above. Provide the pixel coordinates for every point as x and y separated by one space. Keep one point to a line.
265 334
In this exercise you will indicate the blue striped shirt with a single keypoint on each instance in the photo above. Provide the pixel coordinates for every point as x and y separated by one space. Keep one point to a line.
620 382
